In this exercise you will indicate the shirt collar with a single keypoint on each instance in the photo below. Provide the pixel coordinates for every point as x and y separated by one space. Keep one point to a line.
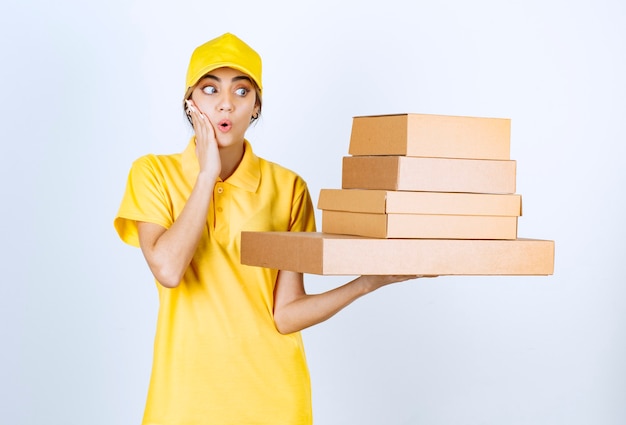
247 175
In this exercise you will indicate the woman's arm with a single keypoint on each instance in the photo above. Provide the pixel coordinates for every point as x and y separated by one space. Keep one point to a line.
169 251
295 310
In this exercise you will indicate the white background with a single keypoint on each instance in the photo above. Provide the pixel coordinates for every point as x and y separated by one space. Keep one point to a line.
87 87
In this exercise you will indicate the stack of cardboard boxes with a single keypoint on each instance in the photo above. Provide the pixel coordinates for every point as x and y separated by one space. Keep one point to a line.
425 176
421 194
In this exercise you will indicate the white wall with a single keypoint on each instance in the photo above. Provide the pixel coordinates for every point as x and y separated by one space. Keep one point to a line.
85 89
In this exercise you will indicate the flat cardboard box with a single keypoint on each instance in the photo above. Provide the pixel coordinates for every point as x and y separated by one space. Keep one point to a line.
431 136
409 202
428 174
326 254
424 226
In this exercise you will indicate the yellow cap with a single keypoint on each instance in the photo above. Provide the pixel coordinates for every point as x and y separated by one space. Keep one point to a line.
226 50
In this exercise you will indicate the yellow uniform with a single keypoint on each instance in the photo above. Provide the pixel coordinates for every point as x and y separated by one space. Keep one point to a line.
218 358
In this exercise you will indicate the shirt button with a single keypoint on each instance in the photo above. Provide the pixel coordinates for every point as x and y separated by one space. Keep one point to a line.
219 209
220 189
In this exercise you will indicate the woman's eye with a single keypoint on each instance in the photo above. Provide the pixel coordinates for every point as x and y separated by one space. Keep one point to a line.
241 91
209 90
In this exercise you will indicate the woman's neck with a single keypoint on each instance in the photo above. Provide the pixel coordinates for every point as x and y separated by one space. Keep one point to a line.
231 157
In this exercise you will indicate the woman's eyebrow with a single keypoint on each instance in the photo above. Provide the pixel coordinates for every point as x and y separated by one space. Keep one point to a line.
241 77
211 77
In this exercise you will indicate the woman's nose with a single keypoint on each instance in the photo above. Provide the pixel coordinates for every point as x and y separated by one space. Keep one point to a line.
225 103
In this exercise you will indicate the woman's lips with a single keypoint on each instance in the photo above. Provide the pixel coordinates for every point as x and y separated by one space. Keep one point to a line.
224 126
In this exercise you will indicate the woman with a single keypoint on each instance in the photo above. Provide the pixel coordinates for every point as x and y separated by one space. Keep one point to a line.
227 347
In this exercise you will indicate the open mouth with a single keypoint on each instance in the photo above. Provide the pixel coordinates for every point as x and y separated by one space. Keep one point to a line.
224 126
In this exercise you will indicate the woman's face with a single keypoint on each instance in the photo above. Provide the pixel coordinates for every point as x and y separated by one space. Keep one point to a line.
228 98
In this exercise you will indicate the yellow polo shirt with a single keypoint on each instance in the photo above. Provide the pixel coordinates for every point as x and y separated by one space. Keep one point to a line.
218 358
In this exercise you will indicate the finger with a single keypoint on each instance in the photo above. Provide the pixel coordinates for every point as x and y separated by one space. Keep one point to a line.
196 114
191 106
203 126
206 129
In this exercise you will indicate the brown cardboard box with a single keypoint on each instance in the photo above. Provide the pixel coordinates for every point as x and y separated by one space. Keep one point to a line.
424 226
428 174
325 254
431 136
409 202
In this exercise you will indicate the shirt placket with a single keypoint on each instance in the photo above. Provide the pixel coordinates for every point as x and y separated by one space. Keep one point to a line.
221 197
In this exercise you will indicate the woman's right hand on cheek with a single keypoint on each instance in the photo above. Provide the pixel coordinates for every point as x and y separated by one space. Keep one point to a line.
206 143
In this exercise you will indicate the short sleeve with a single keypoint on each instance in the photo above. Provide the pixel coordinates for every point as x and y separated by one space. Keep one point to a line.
302 212
145 199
